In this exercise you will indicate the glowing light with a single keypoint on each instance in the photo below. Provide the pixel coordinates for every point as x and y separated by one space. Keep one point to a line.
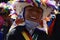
2 4
14 16
58 4
43 1
51 2
56 12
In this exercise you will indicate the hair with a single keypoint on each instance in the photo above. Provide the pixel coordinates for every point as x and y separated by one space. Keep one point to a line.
4 12
31 7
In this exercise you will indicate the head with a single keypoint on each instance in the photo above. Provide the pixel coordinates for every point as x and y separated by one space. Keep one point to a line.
5 15
33 13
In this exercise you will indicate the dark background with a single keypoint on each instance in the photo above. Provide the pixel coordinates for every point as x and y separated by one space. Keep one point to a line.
4 1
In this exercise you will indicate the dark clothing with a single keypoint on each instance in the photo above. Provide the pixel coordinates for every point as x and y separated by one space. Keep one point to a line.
1 36
50 29
40 35
56 29
4 30
17 33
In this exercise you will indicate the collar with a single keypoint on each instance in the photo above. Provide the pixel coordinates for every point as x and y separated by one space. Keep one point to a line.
21 24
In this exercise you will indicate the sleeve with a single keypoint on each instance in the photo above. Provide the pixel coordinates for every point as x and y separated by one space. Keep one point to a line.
10 35
15 34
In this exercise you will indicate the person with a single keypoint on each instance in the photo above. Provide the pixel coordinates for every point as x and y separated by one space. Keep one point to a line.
33 23
55 29
19 31
1 24
27 25
7 22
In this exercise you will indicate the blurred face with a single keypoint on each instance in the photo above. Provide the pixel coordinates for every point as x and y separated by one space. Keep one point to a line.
33 14
32 18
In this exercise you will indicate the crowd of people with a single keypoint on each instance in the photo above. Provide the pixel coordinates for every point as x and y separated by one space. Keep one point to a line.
29 24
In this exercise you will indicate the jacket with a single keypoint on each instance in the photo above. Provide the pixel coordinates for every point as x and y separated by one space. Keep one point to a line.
19 33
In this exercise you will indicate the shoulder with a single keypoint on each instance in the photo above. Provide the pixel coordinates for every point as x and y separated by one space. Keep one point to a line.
40 32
